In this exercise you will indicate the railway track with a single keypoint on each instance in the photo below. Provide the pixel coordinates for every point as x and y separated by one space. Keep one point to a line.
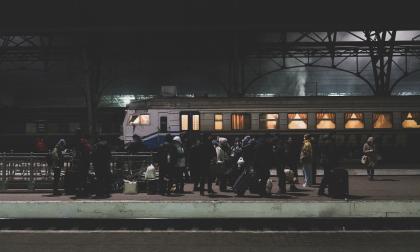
197 225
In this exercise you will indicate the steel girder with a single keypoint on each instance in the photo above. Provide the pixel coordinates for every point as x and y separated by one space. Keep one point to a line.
379 49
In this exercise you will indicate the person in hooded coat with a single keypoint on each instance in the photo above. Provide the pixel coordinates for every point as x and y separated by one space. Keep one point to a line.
101 159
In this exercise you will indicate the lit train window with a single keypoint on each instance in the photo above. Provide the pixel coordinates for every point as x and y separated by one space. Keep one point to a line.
411 120
241 121
184 122
269 121
196 122
218 121
382 120
297 121
140 120
325 120
354 121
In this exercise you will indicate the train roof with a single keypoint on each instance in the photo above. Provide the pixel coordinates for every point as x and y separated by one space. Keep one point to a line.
243 102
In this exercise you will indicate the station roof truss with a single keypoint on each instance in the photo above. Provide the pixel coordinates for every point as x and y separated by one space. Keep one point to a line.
380 58
361 53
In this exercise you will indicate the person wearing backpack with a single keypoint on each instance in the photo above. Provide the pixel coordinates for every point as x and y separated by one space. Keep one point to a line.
166 159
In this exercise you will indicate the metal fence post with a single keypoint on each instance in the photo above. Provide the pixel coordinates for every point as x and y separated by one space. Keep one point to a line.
31 183
3 182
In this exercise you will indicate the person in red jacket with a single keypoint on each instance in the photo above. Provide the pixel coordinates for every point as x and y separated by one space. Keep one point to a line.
40 145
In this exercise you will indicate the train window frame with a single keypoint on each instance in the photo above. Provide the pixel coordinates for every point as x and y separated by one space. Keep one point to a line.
319 120
216 120
289 120
355 119
190 120
244 114
382 112
138 118
415 116
263 121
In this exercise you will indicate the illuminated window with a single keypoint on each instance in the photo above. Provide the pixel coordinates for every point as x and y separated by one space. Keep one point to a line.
354 121
140 120
297 121
218 121
196 122
241 121
184 122
411 120
382 120
269 121
325 120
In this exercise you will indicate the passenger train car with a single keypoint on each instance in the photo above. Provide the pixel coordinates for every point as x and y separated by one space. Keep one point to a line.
352 119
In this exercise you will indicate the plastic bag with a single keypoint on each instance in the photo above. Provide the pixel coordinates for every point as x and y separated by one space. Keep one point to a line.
364 159
150 172
241 162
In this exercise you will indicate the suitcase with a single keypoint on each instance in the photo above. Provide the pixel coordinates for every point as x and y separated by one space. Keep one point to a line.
242 183
338 186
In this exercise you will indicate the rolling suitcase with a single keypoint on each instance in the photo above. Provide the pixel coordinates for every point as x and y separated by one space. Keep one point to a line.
242 183
338 186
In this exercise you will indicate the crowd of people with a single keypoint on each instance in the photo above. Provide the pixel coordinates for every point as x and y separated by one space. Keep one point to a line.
206 161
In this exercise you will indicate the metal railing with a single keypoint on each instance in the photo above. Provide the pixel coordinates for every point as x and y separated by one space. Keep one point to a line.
31 169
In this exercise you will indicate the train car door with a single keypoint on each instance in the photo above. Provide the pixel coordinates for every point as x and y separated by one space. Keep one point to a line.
189 121
163 122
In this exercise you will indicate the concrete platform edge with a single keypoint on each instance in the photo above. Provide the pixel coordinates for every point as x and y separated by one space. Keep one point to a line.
209 209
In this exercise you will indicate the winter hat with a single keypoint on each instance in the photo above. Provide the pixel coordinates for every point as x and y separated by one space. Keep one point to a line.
178 139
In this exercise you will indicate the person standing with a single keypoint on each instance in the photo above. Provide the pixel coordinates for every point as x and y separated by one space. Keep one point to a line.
40 145
81 163
291 155
101 159
194 163
306 160
279 161
166 158
180 164
369 150
57 159
222 157
263 162
207 153
328 160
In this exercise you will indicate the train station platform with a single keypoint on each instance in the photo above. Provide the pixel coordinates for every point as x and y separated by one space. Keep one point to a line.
386 196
